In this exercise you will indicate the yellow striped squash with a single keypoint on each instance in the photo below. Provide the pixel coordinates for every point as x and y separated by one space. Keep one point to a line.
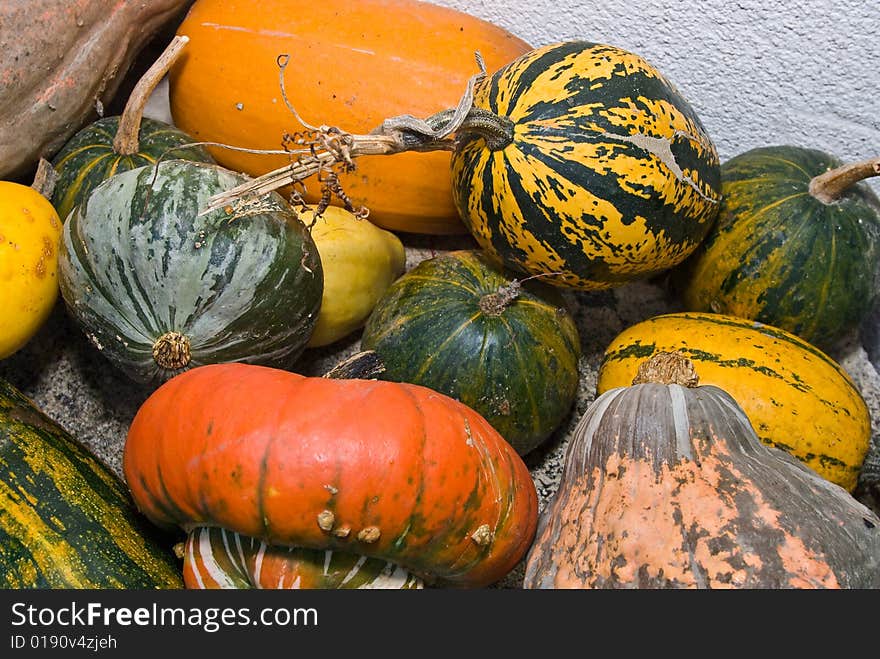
582 162
797 398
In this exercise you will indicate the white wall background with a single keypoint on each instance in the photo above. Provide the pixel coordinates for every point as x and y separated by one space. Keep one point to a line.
758 72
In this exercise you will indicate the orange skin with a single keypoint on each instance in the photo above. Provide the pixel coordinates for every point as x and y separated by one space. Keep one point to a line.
352 65
265 453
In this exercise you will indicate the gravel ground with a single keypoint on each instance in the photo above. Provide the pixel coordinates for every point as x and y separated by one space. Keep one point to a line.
72 383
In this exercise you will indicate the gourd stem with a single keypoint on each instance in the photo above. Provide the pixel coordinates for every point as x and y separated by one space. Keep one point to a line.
667 368
171 351
126 142
364 365
495 129
494 304
833 184
44 179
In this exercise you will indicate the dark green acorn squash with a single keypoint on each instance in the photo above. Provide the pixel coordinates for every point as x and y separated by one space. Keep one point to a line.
159 288
66 520
582 161
116 144
460 325
796 244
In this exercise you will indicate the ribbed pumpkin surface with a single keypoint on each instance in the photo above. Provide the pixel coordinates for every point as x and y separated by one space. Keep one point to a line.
381 469
516 364
797 398
138 262
609 175
89 158
778 255
666 486
66 521
215 558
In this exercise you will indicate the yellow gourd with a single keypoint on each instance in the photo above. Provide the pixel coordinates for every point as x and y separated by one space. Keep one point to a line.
360 260
797 398
30 231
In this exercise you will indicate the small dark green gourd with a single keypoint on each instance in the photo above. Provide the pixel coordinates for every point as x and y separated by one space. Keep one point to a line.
116 144
796 244
461 325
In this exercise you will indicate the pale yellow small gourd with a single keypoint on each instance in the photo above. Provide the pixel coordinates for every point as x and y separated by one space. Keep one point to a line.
30 233
360 261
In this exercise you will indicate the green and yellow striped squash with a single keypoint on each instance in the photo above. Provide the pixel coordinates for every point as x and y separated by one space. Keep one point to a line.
797 398
89 157
216 558
780 255
66 520
460 325
582 161
159 288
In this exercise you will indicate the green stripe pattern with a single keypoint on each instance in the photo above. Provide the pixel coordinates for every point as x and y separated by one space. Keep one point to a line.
66 521
609 175
138 261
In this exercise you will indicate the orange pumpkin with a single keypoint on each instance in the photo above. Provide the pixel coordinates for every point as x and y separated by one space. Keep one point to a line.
380 469
353 63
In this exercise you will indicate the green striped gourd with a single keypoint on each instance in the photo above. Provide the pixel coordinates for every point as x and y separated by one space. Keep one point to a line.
581 161
116 144
159 288
796 244
217 558
460 325
797 398
66 520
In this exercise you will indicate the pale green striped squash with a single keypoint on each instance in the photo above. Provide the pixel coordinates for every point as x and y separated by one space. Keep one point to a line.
159 288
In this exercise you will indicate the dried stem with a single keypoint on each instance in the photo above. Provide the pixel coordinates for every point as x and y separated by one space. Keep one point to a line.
126 141
325 148
833 184
44 179
667 368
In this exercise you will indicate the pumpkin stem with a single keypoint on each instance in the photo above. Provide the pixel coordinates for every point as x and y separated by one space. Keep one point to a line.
126 142
494 304
833 184
364 365
44 179
171 351
667 368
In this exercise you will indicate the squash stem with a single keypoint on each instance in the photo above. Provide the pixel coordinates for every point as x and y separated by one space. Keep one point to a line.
667 368
45 178
833 184
126 142
171 351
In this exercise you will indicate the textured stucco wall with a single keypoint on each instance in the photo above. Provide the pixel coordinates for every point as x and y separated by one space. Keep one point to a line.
758 72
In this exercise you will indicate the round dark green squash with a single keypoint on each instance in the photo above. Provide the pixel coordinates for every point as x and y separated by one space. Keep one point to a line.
116 144
159 288
459 324
582 162
796 244
66 520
